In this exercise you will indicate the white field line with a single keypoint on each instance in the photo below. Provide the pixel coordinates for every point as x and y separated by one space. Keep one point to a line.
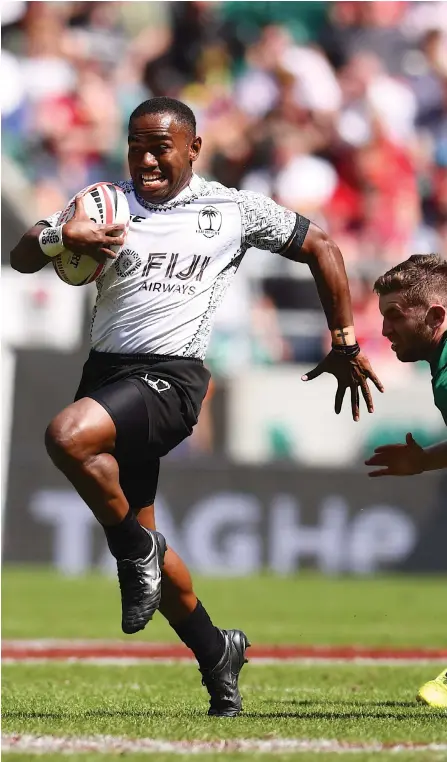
120 745
127 661
284 651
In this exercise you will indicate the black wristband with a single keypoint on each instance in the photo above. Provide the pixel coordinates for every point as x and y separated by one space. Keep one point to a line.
347 351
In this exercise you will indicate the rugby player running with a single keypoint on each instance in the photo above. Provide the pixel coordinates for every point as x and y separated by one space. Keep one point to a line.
413 302
144 380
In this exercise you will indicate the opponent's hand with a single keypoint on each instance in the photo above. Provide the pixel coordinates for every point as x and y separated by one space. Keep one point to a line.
81 235
351 373
399 459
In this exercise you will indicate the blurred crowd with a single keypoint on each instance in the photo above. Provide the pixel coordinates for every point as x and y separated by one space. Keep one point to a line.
334 109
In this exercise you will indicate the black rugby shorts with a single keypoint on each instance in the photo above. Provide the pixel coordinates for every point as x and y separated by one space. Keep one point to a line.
154 402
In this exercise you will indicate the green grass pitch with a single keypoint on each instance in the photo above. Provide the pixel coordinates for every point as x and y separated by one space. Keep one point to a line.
345 702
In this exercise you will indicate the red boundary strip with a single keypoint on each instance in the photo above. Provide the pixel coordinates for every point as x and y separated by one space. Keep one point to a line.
90 650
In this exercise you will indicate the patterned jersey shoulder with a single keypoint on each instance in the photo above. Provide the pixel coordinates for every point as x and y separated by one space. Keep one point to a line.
265 224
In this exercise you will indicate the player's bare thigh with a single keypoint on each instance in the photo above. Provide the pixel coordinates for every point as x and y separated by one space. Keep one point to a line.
82 429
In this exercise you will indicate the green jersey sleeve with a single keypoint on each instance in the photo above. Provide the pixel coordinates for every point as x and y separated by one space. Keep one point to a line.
440 393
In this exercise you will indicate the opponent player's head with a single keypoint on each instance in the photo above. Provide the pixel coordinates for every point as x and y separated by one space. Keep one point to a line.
162 147
413 302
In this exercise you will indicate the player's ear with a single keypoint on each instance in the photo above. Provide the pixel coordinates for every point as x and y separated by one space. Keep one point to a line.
194 148
435 316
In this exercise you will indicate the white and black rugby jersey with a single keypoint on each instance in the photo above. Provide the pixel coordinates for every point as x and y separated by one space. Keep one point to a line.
159 296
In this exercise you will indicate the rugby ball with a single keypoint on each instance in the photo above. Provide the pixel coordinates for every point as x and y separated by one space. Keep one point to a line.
104 203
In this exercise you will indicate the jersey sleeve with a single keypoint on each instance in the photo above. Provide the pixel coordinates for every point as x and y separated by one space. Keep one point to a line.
267 225
51 220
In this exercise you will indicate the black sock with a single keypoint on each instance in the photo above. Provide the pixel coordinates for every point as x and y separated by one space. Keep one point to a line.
200 635
128 539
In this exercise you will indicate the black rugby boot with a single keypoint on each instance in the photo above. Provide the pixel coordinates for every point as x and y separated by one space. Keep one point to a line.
222 681
140 584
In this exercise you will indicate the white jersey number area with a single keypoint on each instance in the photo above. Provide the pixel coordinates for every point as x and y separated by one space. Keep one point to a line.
161 293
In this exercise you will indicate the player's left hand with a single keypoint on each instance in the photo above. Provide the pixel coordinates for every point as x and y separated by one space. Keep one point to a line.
399 459
352 373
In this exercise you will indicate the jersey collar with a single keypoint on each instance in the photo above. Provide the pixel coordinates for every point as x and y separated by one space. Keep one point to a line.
439 360
188 194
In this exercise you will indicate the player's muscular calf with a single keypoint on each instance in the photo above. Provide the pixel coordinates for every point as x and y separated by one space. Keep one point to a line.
80 442
177 595
192 623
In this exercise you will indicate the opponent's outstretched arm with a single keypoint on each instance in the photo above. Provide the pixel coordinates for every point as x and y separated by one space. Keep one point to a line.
345 361
80 235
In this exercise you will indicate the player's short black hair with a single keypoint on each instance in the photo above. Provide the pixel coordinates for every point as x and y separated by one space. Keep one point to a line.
165 105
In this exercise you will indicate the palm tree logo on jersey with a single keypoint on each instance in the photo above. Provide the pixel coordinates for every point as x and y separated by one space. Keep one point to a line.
210 221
